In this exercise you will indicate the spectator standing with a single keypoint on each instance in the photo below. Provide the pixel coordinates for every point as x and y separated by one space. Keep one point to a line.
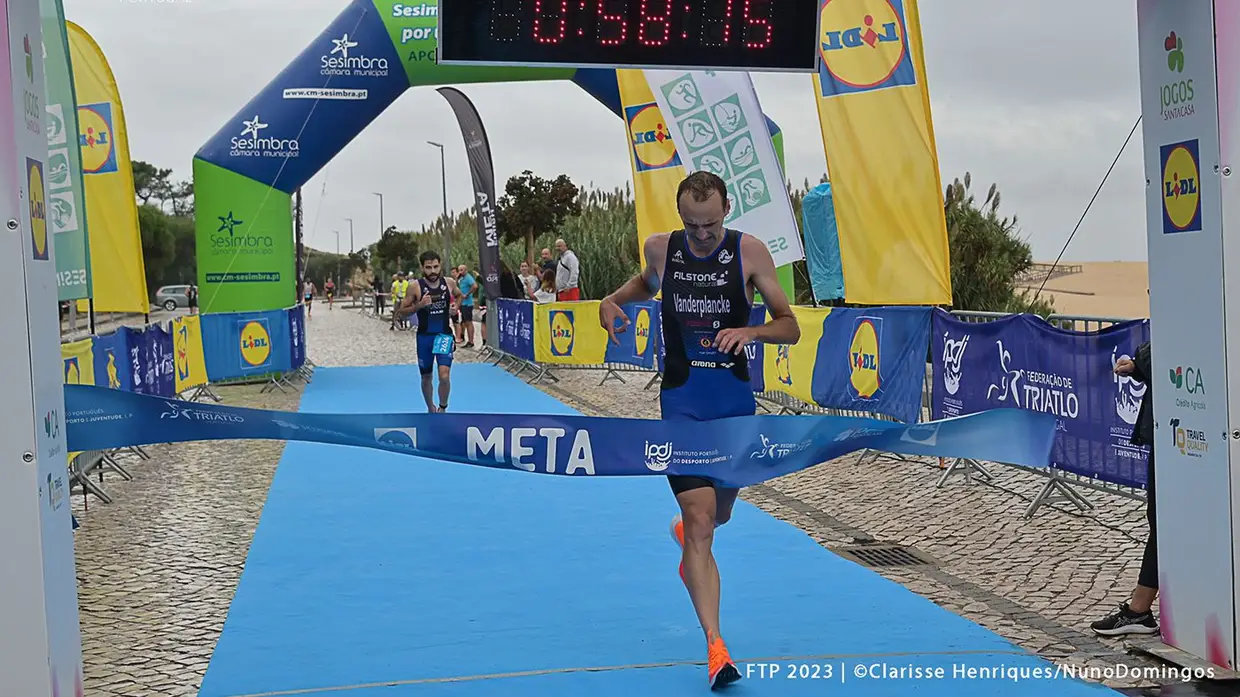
514 287
469 288
547 262
567 273
377 284
529 281
192 297
1136 615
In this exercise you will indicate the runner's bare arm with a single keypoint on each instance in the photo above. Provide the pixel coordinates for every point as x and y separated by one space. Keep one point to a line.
646 283
783 327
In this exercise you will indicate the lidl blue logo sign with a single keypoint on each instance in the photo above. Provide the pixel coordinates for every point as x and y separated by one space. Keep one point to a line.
864 46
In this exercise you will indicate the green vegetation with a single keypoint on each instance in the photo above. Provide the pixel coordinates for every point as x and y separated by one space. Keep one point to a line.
987 252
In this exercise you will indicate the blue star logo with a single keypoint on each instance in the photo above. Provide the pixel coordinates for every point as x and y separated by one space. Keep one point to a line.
228 222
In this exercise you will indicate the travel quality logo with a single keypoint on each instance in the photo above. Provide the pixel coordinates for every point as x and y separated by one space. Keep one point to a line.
864 46
1191 442
1181 193
252 143
346 60
1175 98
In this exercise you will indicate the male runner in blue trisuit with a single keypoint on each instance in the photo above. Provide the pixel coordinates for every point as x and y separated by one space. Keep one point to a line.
430 297
708 275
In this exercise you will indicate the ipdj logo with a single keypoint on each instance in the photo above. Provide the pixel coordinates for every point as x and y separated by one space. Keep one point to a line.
658 456
1181 195
652 142
864 46
561 332
641 332
1175 98
255 343
1188 379
1190 442
863 362
114 374
38 209
252 143
783 364
95 138
73 371
953 362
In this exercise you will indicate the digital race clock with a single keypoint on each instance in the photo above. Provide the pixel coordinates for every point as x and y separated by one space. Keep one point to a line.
760 35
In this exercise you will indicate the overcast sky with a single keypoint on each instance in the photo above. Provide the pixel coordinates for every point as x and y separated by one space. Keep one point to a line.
1021 97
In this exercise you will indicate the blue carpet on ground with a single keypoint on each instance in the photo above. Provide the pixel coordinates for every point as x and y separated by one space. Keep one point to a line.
395 575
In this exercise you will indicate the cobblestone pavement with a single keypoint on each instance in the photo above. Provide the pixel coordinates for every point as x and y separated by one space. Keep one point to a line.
157 569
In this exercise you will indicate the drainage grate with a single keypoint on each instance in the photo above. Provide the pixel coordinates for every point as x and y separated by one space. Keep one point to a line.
884 556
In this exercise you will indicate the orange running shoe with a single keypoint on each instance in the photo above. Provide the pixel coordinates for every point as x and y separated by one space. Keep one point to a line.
678 535
720 668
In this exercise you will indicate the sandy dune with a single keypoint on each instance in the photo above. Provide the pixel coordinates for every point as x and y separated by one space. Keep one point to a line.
1116 289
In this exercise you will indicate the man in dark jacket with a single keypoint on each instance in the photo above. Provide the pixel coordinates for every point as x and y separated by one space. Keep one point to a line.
1136 616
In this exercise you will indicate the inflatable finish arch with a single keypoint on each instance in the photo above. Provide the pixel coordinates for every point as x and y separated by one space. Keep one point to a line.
245 175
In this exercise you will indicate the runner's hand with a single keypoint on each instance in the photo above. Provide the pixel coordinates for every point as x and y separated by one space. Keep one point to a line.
608 313
733 340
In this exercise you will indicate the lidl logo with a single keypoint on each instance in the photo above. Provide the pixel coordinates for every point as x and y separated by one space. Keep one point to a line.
38 208
73 371
96 136
863 358
864 46
561 332
783 368
652 141
255 344
181 349
641 331
1181 187
114 376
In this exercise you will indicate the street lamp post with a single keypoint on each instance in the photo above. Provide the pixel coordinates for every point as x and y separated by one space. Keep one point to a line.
447 229
337 233
381 228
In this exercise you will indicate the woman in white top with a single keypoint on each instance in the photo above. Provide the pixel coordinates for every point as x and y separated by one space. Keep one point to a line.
528 281
545 292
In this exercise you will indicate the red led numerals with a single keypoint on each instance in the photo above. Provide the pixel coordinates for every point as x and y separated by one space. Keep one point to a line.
757 24
654 28
550 31
612 28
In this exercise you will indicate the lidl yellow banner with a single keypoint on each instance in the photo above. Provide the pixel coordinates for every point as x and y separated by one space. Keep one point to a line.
874 110
118 269
657 169
569 334
191 362
790 369
79 362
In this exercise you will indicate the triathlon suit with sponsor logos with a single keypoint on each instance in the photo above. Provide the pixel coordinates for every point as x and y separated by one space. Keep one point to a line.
432 321
701 297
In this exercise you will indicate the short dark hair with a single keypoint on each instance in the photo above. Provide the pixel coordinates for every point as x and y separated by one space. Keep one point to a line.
701 185
428 255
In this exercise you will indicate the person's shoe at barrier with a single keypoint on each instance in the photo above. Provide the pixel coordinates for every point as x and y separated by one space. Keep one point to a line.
719 666
1126 621
678 536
